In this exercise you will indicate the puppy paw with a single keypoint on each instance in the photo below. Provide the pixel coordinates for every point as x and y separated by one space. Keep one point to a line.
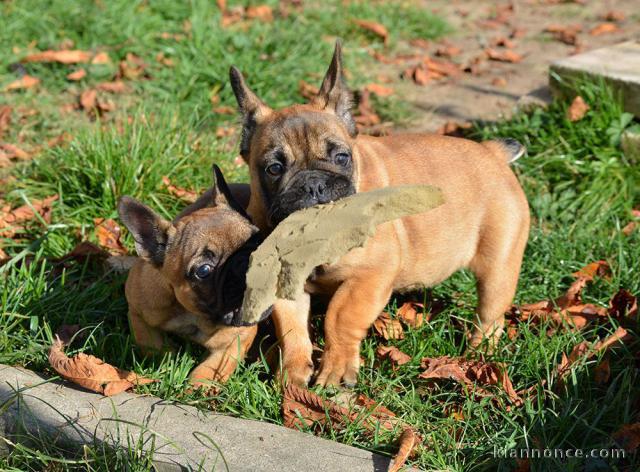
298 373
339 367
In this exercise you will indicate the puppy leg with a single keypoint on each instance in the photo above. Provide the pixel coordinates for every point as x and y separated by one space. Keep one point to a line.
291 320
149 338
227 346
352 311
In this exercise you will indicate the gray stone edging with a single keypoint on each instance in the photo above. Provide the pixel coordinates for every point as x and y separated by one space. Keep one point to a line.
184 436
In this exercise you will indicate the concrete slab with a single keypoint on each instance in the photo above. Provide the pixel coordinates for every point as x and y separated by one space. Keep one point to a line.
185 438
617 65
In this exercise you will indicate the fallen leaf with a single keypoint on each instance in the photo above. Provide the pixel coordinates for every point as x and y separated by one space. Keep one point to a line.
379 90
395 355
117 86
614 15
420 43
410 315
629 228
132 67
499 82
5 119
263 13
594 269
448 51
105 105
577 109
387 327
4 257
503 56
224 110
232 15
77 75
419 74
101 58
88 99
11 220
164 60
188 196
502 41
307 90
23 83
628 437
602 372
376 28
108 233
83 251
408 441
567 34
603 28
14 152
63 56
92 373
366 116
623 305
225 131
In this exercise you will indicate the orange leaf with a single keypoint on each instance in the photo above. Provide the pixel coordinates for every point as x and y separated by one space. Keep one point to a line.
13 151
77 75
188 196
63 57
408 441
614 15
602 372
603 28
10 220
92 373
24 82
260 12
408 313
88 99
623 305
307 90
379 90
590 271
387 327
395 355
224 110
628 436
503 56
577 109
117 86
101 58
5 119
108 233
376 28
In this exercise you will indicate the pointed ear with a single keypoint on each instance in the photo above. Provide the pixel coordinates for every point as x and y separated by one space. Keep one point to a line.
221 194
150 231
253 110
334 95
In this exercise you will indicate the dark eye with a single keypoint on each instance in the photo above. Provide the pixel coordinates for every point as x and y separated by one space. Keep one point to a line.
204 271
275 169
342 159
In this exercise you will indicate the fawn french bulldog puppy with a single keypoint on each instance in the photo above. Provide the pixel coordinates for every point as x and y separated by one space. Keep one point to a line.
190 277
304 155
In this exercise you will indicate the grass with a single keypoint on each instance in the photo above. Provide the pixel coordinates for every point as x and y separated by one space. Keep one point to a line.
580 186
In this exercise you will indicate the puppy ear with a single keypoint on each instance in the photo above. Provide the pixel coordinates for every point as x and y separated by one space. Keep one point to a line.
221 194
334 95
150 231
253 110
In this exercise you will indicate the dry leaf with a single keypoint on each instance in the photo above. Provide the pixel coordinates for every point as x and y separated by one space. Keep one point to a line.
614 15
117 86
101 58
594 269
629 228
376 28
577 109
448 51
92 373
88 100
11 220
164 60
225 131
628 437
602 372
387 327
379 90
5 119
420 43
307 90
188 196
366 116
132 68
63 57
77 75
263 13
408 441
623 305
395 355
603 28
410 315
232 15
504 42
224 110
13 152
108 233
499 82
24 82
567 34
503 56
83 251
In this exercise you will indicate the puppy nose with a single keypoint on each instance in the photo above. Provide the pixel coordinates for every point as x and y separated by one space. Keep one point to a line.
316 188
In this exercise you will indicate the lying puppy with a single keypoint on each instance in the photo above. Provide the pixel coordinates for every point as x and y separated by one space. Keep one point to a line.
308 154
190 277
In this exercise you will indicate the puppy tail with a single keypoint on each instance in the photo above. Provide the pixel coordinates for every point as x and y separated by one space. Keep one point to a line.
507 148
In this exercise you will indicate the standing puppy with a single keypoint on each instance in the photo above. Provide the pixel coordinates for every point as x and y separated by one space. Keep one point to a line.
309 154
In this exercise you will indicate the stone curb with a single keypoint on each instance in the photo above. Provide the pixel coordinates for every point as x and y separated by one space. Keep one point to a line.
185 438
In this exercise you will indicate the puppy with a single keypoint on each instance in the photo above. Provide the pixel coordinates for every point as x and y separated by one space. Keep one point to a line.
190 277
309 154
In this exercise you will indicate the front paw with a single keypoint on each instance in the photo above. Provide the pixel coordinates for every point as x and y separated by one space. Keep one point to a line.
339 366
297 373
206 374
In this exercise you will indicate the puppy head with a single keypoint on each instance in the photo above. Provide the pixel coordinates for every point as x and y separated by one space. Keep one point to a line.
301 155
204 256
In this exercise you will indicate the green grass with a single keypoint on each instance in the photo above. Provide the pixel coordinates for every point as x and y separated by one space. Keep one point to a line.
580 186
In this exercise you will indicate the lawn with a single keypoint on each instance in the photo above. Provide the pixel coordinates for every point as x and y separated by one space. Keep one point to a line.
581 188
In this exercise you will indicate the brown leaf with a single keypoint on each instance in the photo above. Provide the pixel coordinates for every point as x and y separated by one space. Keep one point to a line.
5 119
623 305
499 82
101 58
395 355
263 13
614 15
577 109
14 152
77 75
108 233
164 60
590 271
232 15
567 34
23 83
602 372
410 315
11 220
628 437
63 57
376 28
83 251
302 407
420 43
132 67
379 90
503 56
117 86
366 116
225 131
92 373
89 100
502 41
307 90
629 228
603 28
448 51
409 439
188 196
387 327
224 110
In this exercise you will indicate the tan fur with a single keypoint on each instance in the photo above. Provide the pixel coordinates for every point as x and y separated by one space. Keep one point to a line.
161 298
